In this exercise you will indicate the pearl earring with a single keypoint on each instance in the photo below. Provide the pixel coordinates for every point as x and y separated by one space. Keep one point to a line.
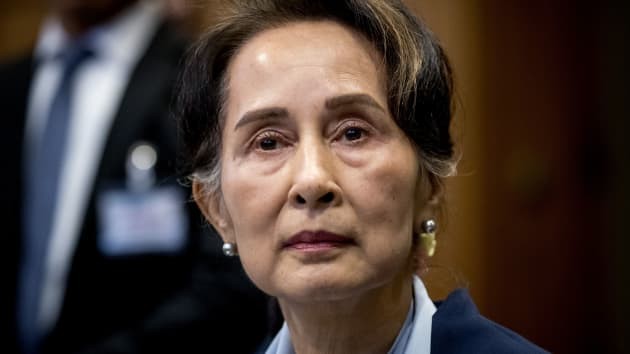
229 249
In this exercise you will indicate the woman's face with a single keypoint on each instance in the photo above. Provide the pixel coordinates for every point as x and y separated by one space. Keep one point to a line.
320 188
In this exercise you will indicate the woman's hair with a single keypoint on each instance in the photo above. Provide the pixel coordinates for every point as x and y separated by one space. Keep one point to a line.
419 83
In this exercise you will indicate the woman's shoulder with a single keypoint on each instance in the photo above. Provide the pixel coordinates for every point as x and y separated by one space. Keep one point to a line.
457 327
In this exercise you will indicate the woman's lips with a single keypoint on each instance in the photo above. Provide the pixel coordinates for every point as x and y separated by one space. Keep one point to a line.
318 240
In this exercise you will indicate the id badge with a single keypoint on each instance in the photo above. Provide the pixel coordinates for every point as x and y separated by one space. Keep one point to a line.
153 221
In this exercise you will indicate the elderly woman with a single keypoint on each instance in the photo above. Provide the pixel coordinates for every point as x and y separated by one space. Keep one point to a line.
317 138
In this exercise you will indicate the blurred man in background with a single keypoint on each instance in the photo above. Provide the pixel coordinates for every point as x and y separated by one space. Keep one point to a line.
103 251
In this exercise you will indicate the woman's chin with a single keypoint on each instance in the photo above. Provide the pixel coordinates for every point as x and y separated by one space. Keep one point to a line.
331 275
318 292
325 285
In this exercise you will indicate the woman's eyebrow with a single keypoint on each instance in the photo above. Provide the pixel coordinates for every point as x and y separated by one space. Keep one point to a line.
271 113
277 113
352 99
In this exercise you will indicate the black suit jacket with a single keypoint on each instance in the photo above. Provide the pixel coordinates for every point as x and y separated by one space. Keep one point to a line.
180 302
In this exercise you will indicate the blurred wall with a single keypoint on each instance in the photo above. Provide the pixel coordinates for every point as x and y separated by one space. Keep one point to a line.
544 142
19 22
615 114
537 224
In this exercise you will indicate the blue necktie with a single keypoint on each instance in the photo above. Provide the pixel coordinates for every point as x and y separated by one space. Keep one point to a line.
42 171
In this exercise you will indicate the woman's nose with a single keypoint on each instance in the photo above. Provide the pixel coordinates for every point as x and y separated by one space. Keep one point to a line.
314 184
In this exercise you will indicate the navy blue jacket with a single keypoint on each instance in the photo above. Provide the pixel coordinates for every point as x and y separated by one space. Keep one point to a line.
459 328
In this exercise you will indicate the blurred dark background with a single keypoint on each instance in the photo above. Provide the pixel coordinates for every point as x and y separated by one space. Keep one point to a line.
539 218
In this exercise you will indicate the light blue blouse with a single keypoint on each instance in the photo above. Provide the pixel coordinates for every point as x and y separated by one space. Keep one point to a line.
413 338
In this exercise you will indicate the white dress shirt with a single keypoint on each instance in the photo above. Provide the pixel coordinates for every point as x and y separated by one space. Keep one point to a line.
97 92
413 338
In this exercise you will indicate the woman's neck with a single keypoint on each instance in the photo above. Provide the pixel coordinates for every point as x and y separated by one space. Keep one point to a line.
368 323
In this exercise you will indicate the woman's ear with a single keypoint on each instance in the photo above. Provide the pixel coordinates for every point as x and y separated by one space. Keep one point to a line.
429 197
213 209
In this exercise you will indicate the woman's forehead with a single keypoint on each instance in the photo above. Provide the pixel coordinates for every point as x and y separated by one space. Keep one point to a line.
304 43
305 55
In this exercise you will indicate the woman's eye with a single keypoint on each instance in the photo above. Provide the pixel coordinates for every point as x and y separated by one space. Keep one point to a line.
268 144
269 141
353 133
